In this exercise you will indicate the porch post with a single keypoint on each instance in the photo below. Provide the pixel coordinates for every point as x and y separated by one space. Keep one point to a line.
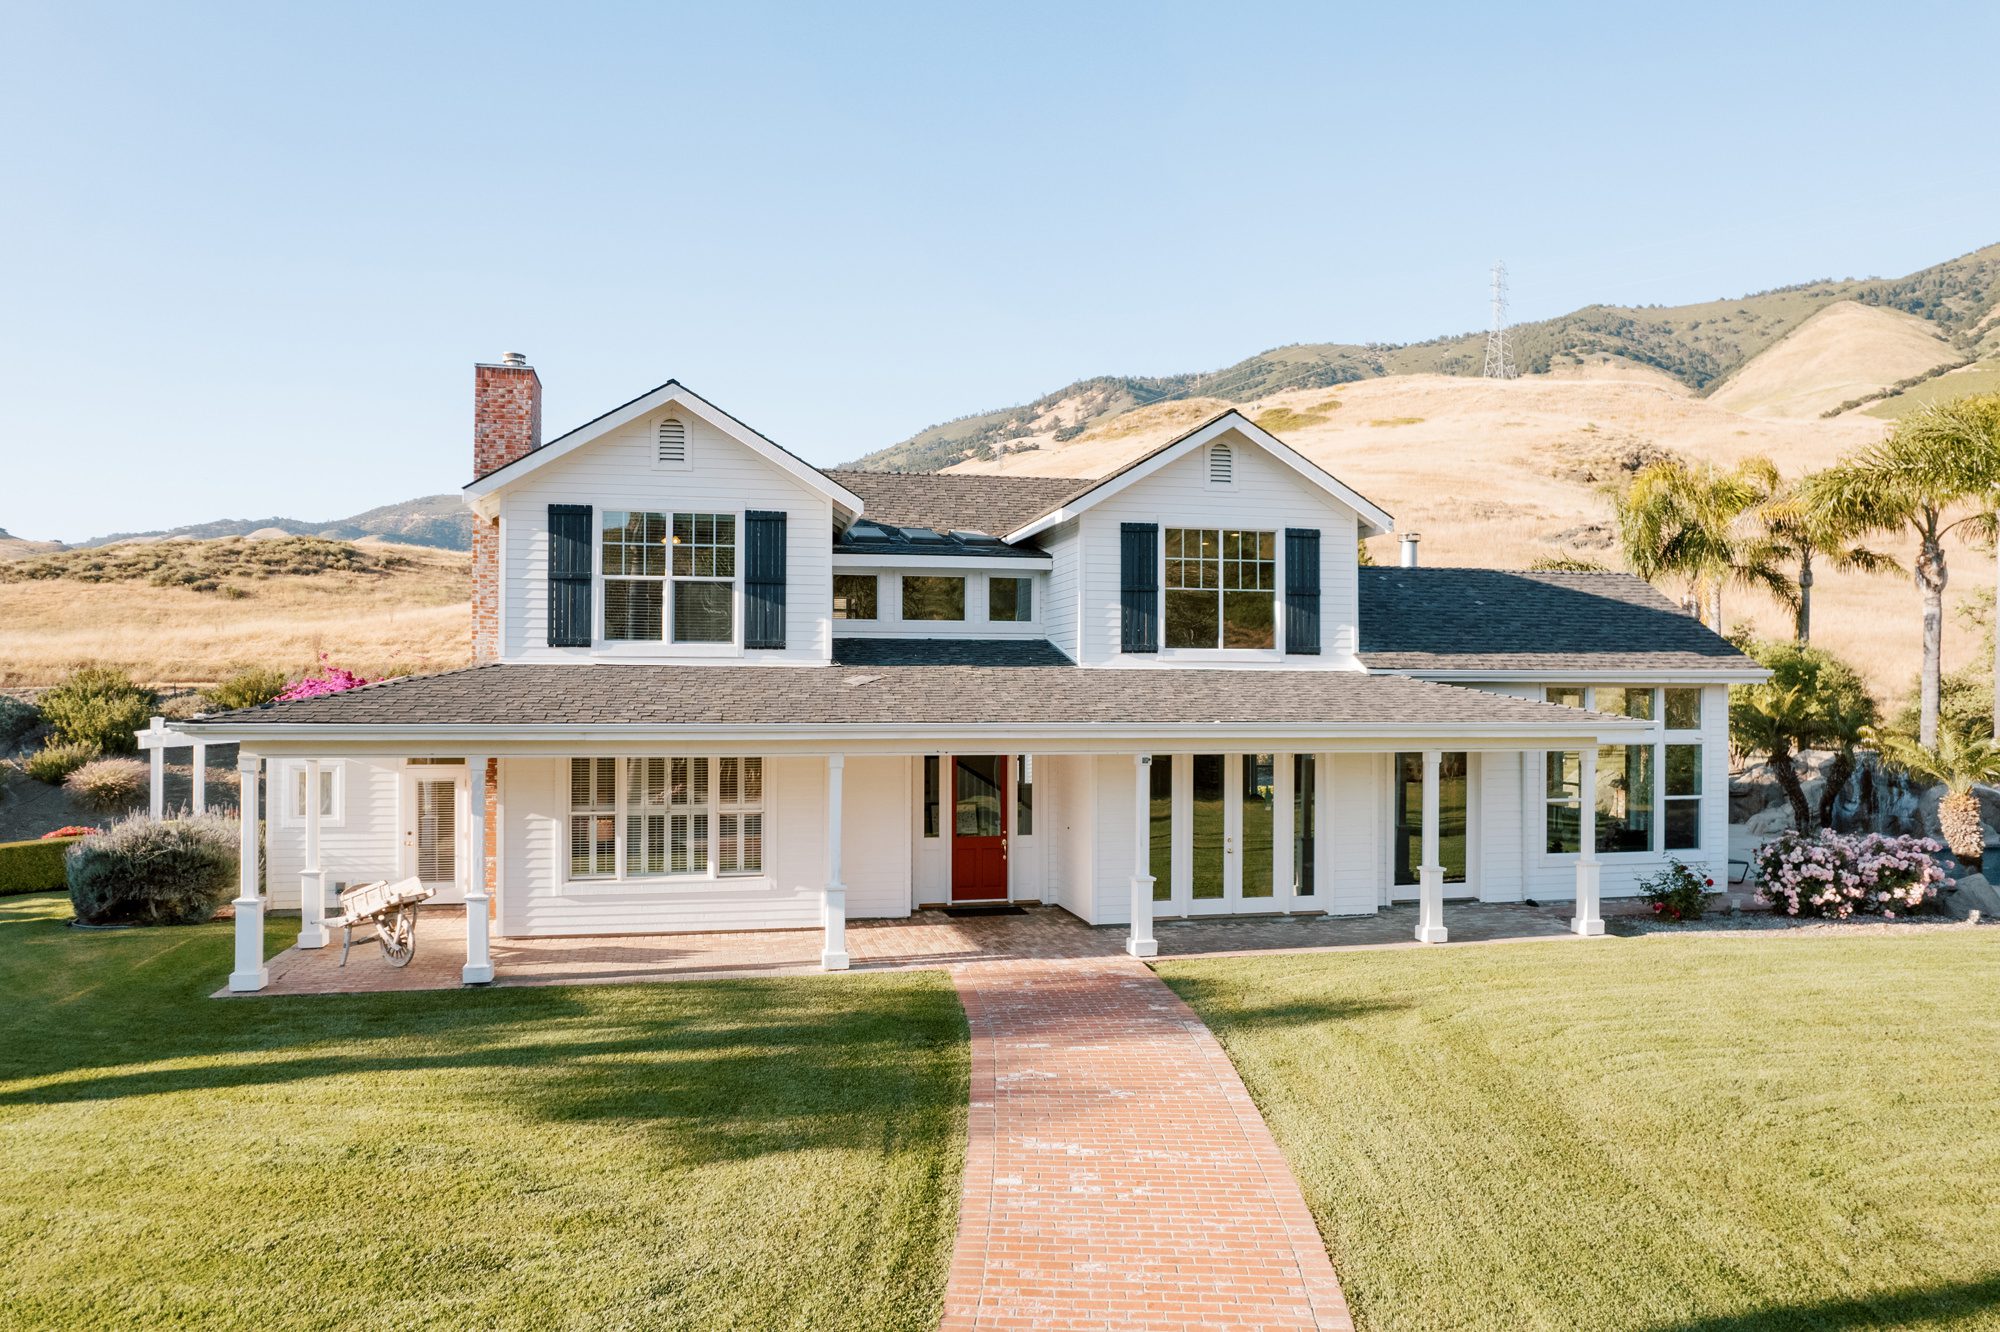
156 758
1587 921
312 880
200 771
1141 943
250 973
1430 874
833 908
478 926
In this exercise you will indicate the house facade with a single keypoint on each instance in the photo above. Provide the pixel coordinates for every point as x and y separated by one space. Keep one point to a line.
716 688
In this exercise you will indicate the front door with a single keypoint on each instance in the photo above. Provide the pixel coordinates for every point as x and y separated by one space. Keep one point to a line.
433 829
979 828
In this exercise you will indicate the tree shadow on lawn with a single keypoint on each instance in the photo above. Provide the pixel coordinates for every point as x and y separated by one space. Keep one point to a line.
1217 1004
730 1068
1914 1306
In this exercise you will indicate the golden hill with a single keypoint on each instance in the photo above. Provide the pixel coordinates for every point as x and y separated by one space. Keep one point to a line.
1844 352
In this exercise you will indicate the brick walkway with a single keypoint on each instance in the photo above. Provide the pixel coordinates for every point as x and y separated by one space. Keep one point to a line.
1117 1174
927 939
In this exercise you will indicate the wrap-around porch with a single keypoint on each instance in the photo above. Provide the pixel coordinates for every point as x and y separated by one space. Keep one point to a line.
923 939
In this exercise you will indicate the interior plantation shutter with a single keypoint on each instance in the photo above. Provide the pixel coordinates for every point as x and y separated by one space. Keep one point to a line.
569 575
1302 591
1139 587
764 579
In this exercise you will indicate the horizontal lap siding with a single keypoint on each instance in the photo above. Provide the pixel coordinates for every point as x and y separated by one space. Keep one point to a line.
1059 616
1355 825
1073 822
1266 496
363 847
1499 836
617 472
537 901
875 836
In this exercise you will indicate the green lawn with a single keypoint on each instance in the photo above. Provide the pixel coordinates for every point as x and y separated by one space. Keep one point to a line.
1685 1134
736 1154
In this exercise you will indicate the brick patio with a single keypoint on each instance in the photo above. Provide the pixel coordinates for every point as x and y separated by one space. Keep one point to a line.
927 939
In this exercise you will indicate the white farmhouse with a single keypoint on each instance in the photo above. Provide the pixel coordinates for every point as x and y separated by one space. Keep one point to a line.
717 688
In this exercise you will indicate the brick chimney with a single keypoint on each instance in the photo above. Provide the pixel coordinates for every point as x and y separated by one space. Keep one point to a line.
506 425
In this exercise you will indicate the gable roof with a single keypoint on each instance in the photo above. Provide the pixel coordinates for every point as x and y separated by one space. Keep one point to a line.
1374 520
957 501
1496 623
677 394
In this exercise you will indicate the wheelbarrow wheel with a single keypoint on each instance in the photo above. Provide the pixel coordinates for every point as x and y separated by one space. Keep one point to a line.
399 937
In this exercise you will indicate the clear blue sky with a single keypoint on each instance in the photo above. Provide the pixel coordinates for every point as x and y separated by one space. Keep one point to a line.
251 253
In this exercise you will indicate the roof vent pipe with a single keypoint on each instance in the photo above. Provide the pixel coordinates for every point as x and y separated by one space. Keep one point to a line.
1410 540
514 358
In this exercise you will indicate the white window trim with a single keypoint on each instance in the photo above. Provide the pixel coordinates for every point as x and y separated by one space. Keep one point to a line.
621 882
665 644
291 772
1660 738
1221 654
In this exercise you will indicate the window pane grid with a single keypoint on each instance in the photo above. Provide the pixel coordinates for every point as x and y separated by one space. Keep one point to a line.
1221 588
664 811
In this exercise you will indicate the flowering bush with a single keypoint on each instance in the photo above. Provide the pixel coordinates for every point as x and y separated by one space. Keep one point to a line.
327 680
1839 875
74 830
1676 892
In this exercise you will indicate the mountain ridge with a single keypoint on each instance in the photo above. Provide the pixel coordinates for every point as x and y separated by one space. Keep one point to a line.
441 522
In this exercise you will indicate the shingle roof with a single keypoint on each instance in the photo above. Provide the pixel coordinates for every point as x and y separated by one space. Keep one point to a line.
961 501
868 537
946 652
500 696
1490 619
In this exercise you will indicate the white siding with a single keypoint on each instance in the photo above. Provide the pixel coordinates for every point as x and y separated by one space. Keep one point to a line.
1062 613
617 472
363 845
1072 818
875 836
1353 788
1266 496
1110 898
1499 835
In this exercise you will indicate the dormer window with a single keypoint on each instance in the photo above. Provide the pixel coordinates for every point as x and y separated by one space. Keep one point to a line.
672 448
669 571
1221 588
1221 465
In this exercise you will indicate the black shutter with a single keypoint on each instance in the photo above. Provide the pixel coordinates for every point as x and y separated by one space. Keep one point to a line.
569 575
763 579
1139 587
1302 591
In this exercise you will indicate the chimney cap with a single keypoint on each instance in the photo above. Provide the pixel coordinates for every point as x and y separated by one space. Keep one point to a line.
519 359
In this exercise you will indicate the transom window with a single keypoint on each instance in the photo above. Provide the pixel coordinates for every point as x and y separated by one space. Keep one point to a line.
650 558
854 596
1221 588
684 815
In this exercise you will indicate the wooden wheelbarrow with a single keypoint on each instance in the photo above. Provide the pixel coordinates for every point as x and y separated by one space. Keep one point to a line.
391 908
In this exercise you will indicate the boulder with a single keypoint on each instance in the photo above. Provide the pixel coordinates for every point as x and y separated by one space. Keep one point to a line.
1775 819
1973 893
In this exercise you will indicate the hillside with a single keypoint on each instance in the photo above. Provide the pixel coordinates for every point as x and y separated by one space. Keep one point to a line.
1844 352
1699 346
438 521
192 611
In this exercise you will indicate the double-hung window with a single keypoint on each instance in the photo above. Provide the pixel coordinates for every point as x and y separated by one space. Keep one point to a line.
683 815
669 571
1221 588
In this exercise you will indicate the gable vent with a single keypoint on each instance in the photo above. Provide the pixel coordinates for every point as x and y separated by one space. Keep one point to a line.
1221 465
673 443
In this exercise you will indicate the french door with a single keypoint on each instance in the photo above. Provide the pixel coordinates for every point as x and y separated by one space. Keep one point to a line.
434 807
979 828
1214 842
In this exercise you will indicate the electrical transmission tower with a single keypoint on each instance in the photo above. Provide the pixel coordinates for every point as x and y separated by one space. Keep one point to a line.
1499 359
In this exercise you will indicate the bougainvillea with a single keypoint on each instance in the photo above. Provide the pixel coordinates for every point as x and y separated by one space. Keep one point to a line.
328 679
1839 875
74 830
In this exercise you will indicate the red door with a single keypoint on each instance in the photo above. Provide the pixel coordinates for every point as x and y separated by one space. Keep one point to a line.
979 828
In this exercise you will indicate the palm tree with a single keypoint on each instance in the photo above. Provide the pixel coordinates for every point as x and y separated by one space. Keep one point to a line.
1957 764
1800 534
1695 522
1777 721
1934 475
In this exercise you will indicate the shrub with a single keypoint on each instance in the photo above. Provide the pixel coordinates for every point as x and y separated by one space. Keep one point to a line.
1677 892
1838 876
55 761
171 872
246 689
33 867
112 785
17 718
98 706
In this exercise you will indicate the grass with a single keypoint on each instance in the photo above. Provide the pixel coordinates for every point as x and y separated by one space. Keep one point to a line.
734 1154
375 613
1678 1134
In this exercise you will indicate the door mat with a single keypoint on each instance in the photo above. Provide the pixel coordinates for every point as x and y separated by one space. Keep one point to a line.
961 912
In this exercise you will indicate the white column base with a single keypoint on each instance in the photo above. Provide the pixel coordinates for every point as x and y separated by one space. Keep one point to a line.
833 917
478 968
1430 905
1587 922
251 973
1140 942
472 975
312 910
833 961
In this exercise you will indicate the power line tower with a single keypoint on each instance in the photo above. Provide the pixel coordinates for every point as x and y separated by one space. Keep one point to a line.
1499 359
